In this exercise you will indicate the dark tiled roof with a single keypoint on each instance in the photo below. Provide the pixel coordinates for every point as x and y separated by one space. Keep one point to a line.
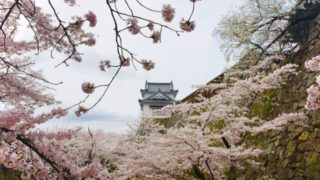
161 93
154 87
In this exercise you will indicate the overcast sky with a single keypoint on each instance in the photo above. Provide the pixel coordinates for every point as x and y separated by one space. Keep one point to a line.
191 59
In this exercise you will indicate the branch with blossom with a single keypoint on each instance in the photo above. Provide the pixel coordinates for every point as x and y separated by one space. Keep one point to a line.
52 33
22 90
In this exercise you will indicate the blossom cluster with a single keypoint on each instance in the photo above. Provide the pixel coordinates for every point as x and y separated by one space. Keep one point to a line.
104 64
92 18
168 12
313 99
133 26
187 25
147 64
88 87
313 64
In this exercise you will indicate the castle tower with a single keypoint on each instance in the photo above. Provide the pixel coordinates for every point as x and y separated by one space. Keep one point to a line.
155 96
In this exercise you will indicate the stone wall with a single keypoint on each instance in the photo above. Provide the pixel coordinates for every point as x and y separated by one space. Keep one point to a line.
293 153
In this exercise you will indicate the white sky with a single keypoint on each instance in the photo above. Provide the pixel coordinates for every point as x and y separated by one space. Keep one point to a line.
191 59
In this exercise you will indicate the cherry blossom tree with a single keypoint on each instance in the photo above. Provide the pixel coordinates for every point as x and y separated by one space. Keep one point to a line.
36 153
53 32
205 140
261 28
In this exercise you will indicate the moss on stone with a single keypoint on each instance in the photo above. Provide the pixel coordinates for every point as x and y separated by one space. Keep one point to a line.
304 136
291 147
195 113
313 170
264 104
217 125
262 109
265 141
204 109
194 122
312 158
168 122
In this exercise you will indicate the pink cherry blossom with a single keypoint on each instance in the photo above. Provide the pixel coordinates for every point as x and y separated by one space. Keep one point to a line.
88 87
147 64
313 64
92 18
133 26
156 37
168 12
187 25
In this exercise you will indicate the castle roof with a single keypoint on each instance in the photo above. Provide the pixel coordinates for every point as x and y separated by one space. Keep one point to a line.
163 87
154 87
158 93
